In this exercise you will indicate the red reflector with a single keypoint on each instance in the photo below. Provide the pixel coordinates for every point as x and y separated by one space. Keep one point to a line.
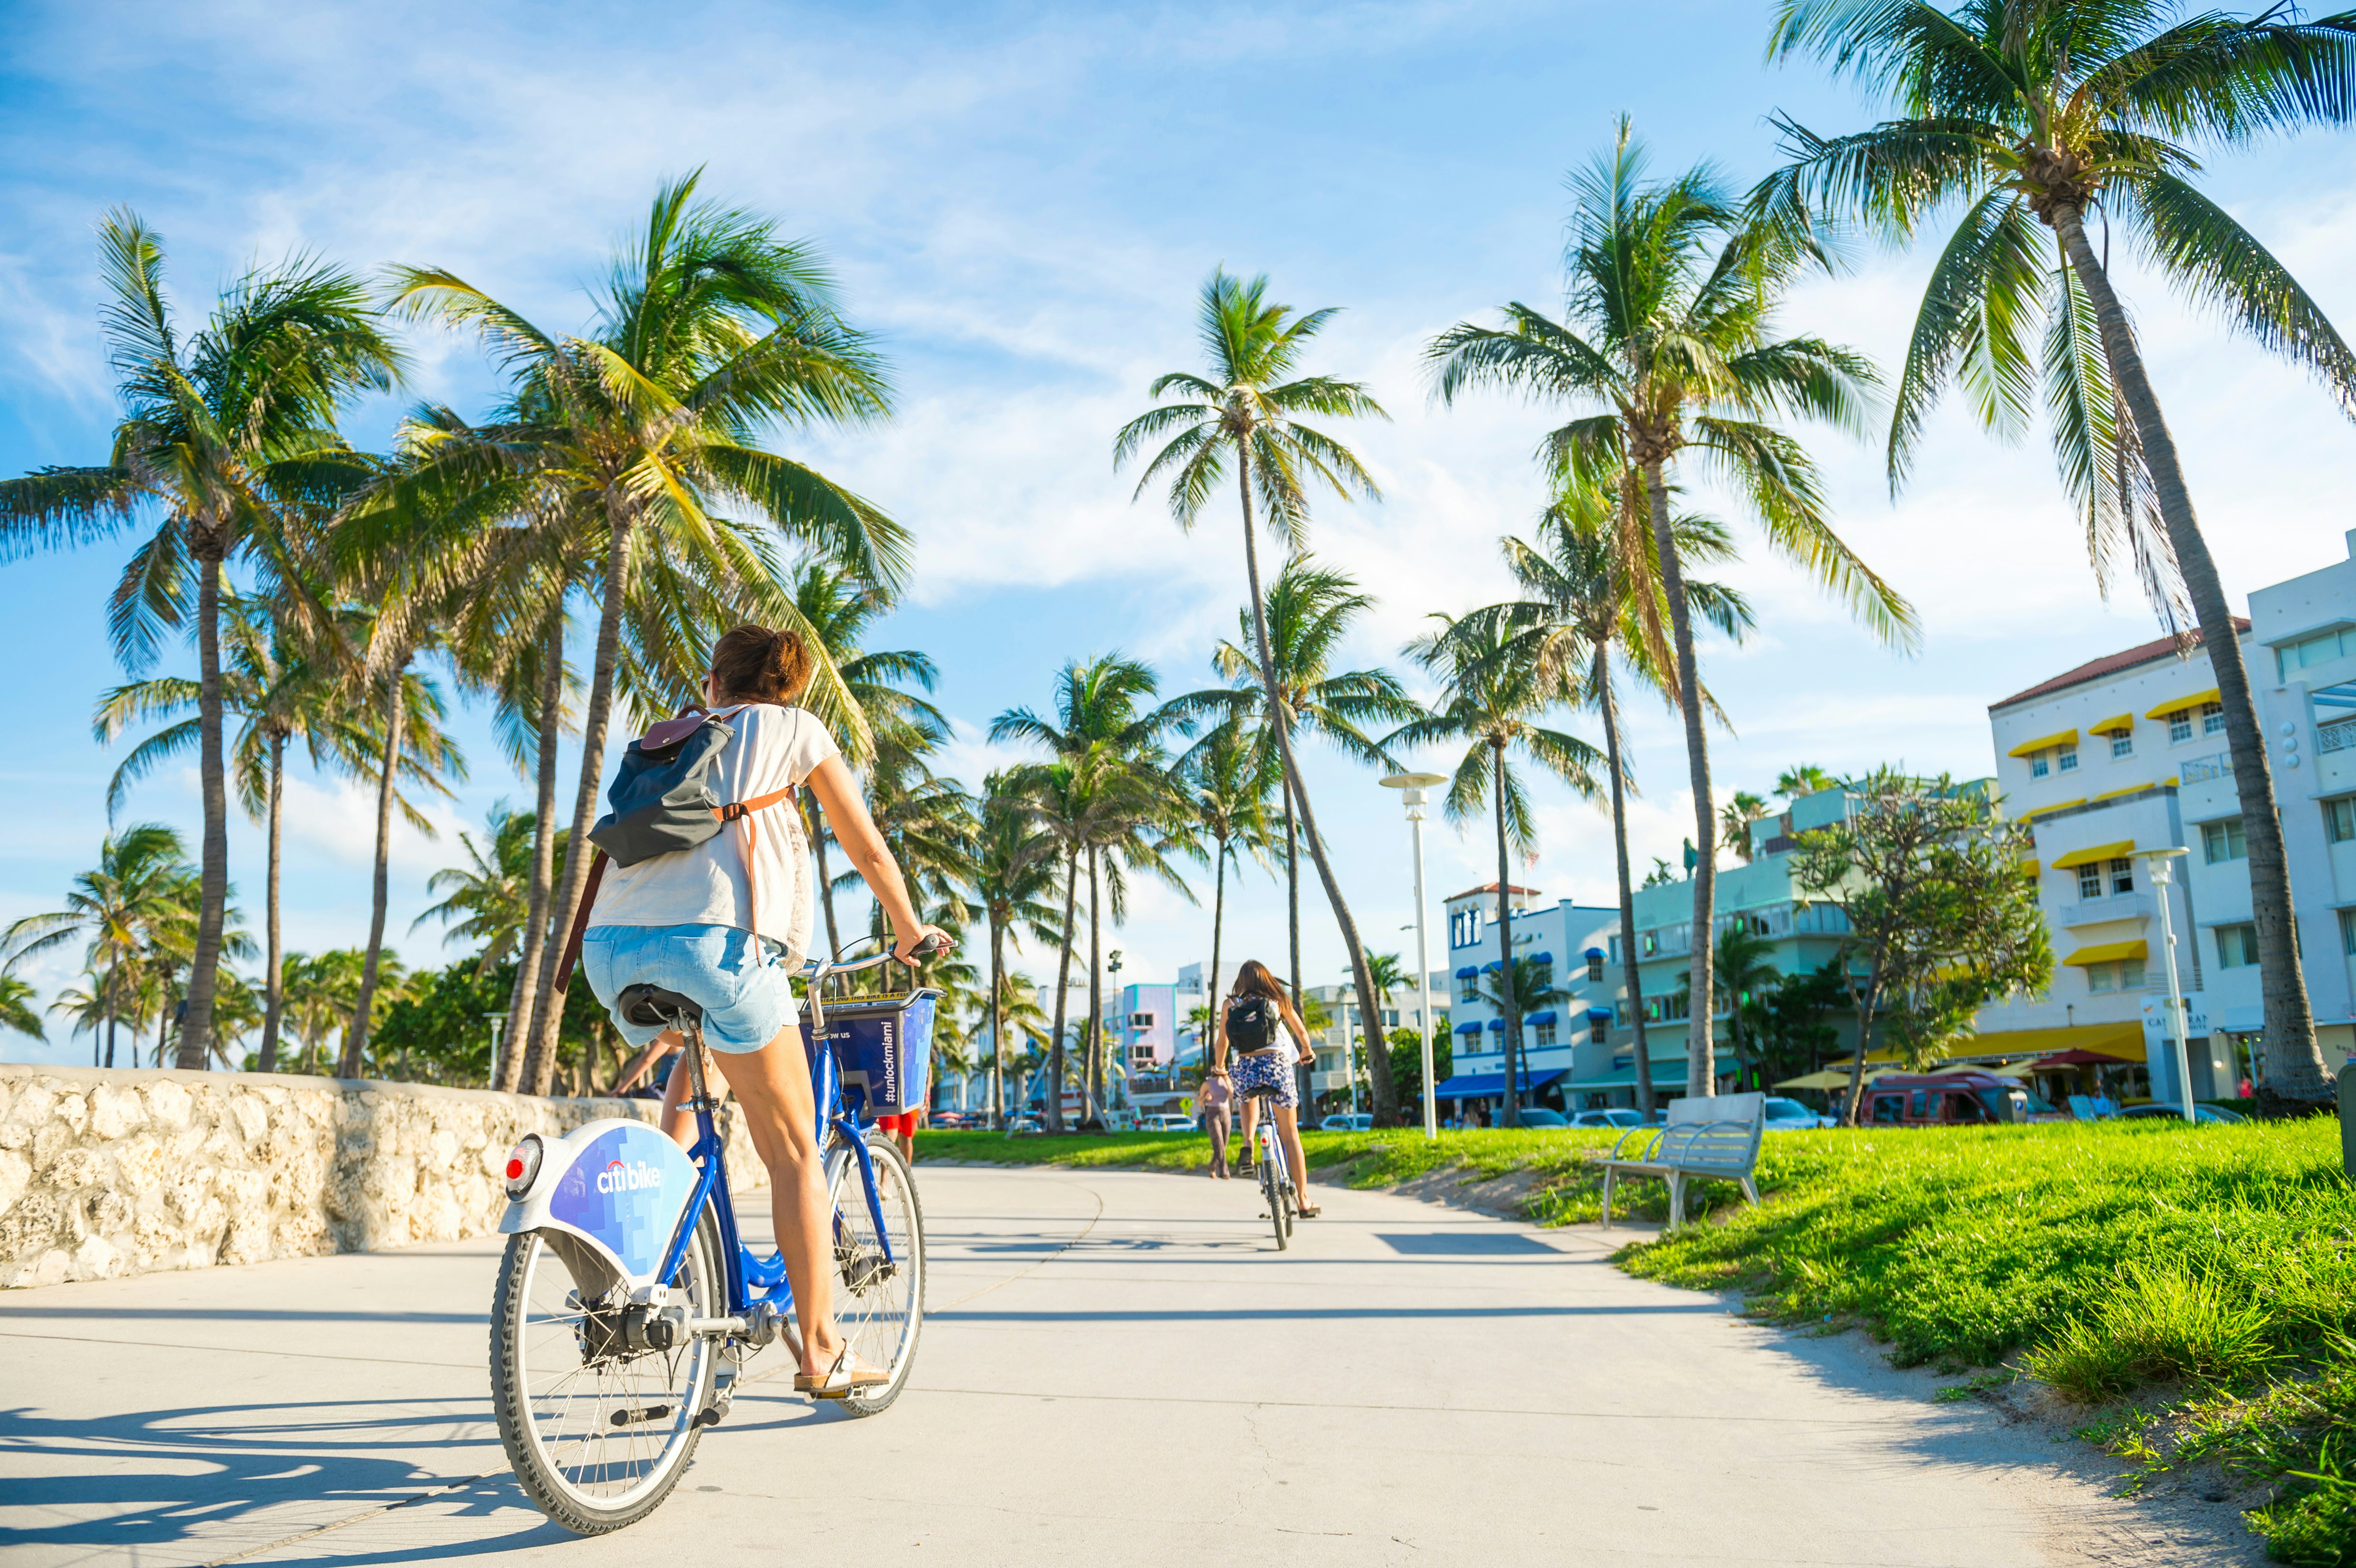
515 1169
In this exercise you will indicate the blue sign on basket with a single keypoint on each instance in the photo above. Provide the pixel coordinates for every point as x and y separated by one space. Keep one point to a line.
885 1050
625 1189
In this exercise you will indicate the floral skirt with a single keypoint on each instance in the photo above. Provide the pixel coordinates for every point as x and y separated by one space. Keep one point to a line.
1270 1071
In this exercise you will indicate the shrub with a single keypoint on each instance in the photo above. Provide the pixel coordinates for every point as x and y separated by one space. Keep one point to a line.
2163 1322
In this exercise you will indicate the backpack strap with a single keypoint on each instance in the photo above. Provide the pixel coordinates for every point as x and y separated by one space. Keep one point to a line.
580 923
742 810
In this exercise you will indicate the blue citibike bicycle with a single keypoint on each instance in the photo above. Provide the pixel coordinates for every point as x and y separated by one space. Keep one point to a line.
627 1308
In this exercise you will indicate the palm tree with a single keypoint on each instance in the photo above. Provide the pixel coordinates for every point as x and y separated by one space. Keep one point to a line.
713 328
1496 689
1226 779
1015 865
1803 778
1248 411
16 1013
2025 114
134 891
1745 968
1107 778
1580 602
1308 611
1517 988
1734 819
489 898
228 440
320 994
1675 344
282 692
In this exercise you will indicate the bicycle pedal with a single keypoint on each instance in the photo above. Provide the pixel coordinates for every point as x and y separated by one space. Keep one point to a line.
715 1412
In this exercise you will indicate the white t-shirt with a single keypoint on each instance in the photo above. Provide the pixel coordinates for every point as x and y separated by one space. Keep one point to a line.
775 747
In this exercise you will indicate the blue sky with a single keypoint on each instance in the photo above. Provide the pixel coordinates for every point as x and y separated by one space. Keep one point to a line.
1021 201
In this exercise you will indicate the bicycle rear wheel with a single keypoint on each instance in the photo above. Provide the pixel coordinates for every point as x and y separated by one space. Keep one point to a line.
597 1429
1272 1187
878 1306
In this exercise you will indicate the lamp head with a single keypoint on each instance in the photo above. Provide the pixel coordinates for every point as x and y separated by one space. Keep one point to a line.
2158 864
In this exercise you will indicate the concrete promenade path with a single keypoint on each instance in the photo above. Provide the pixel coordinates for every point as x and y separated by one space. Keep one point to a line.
1119 1369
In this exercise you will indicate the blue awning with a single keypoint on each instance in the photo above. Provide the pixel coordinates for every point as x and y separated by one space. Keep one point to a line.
1468 1028
1602 1013
1491 967
1497 1026
1593 952
1467 973
1481 1085
1541 957
1546 1017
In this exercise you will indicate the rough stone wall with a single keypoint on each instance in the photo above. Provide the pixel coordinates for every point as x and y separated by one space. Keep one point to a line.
107 1172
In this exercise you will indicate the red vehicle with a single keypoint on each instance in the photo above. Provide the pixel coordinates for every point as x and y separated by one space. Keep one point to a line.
1948 1099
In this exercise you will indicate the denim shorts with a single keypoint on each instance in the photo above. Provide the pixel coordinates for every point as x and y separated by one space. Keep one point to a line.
745 1003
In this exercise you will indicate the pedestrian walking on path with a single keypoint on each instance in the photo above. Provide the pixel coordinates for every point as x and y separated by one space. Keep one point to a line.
1217 1094
1250 1054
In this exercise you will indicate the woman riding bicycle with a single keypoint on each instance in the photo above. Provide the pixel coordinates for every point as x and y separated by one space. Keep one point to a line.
1262 1068
685 921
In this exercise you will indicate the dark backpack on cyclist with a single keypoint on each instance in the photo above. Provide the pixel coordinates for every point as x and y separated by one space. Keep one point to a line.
1252 1024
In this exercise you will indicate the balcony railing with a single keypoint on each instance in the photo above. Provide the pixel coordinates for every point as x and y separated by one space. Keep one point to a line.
1772 921
2118 907
2340 736
2201 769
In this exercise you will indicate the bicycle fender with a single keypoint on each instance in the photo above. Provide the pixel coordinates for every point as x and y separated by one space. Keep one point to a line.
618 1185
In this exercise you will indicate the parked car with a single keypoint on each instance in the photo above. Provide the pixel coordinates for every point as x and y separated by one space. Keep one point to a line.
1345 1122
1786 1115
1165 1122
1950 1100
1024 1125
1539 1116
2157 1112
1616 1117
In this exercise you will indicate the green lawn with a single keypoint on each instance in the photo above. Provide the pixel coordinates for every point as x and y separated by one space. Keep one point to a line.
2195 1288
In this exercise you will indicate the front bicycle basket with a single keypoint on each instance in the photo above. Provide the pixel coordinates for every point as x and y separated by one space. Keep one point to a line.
884 1047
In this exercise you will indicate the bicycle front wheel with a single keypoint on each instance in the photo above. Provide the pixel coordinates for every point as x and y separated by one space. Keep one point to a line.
1271 1187
879 1306
597 1429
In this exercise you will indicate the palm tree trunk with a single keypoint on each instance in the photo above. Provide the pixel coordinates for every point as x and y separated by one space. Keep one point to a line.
1610 703
112 983
1510 1013
1385 1097
1701 1065
997 1023
1292 894
355 1060
525 999
2294 1061
1051 1111
577 850
1853 1096
1218 918
204 968
1092 1076
273 983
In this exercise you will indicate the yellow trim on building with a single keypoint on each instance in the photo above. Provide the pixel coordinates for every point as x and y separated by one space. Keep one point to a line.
2122 724
2130 789
2111 952
2122 1040
2182 704
2045 743
2056 806
2094 855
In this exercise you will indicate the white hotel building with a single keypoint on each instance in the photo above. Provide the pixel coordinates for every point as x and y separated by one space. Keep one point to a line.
2128 753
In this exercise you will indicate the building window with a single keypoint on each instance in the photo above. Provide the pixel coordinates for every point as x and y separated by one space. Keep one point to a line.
2237 946
2314 649
2122 875
2347 931
2037 765
2125 975
1542 977
1390 1018
1468 989
2340 819
1464 928
1542 1035
2090 882
2121 745
2065 758
1595 1026
2213 717
1668 1009
2222 842
2179 725
1595 965
1648 943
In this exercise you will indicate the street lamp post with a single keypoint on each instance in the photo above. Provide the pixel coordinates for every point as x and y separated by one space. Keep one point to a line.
1412 786
2159 863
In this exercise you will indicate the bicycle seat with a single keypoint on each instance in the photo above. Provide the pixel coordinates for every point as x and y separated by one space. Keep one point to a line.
651 1006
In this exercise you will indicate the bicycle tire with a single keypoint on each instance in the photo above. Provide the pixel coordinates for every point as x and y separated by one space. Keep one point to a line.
882 1314
556 1439
1272 1188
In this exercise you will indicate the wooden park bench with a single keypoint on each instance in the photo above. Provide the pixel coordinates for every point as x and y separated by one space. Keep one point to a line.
1712 1136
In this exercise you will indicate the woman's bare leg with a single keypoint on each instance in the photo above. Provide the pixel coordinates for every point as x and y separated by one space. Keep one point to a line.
1250 1125
781 1114
1288 1127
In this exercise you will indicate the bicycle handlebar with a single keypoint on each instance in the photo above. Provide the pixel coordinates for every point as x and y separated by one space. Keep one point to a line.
926 949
